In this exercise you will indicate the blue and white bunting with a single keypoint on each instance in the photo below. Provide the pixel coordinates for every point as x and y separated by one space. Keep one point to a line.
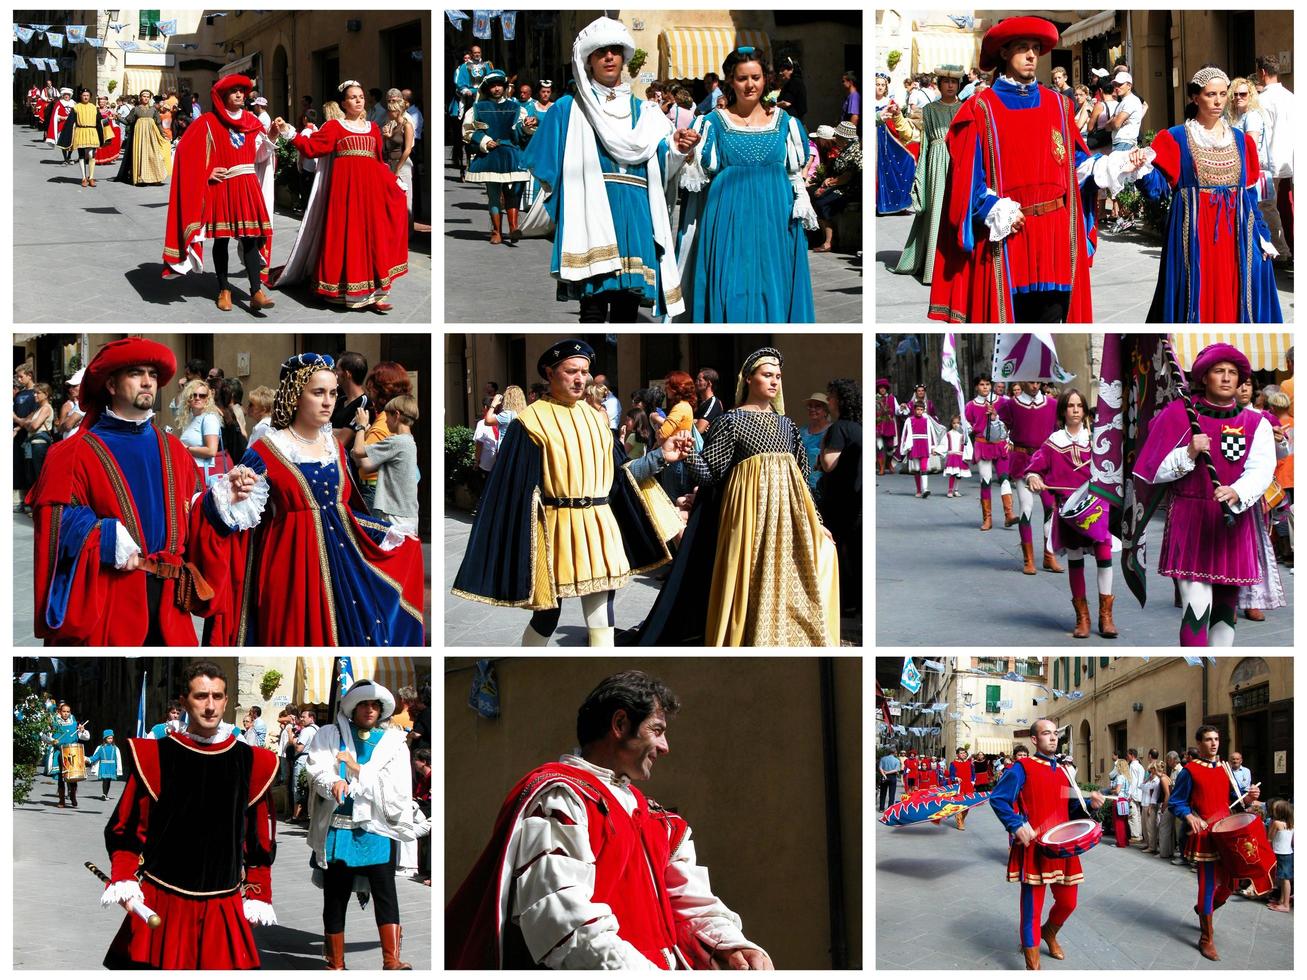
457 18
115 25
56 40
19 62
24 33
911 679
95 42
129 45
167 27
934 665
76 33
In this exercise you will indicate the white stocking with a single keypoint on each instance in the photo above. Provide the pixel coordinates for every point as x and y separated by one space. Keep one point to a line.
1026 498
596 609
986 467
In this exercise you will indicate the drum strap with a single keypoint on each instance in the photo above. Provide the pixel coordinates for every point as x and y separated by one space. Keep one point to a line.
1075 787
1238 794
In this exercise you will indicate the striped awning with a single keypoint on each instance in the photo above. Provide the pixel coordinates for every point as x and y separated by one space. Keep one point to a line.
1265 351
155 80
932 49
692 52
317 674
1102 22
991 745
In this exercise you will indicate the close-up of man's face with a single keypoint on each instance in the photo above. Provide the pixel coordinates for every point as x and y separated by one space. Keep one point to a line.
638 752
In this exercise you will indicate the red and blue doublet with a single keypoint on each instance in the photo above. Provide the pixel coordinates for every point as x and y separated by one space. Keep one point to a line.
964 774
1213 269
631 853
196 828
1203 788
1037 791
116 472
1018 142
313 573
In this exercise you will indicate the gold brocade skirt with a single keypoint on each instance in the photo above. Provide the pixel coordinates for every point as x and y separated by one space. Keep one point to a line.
776 579
151 154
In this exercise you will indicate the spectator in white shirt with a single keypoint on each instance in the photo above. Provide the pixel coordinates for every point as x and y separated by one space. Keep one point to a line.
1278 106
414 113
1136 792
256 731
1242 776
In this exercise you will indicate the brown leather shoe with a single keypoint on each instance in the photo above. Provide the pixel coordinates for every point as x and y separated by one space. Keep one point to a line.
390 937
496 232
1028 555
1207 939
1106 628
1050 562
92 181
1032 957
333 950
224 300
1256 615
1050 936
261 301
83 181
1081 632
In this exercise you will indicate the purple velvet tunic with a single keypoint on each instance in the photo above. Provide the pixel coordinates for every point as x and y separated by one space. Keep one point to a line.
1064 470
978 417
1028 426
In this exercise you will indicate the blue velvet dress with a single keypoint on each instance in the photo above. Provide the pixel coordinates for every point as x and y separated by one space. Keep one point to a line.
628 199
746 260
896 168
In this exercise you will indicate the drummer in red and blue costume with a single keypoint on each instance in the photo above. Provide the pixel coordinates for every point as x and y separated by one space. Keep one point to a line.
963 772
1061 466
1032 797
1203 793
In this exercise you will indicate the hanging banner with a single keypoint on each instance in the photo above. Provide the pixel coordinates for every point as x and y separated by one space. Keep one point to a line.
95 42
76 33
167 27
56 40
129 45
911 679
508 22
118 26
481 24
19 62
24 33
456 18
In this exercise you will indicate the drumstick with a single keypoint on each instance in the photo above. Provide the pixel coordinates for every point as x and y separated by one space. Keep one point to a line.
130 904
1238 801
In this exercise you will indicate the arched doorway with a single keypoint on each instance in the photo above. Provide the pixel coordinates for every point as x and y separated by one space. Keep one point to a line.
1084 751
279 86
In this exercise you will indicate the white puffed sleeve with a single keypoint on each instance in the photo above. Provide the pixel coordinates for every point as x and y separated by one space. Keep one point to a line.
123 546
702 161
553 869
1258 471
1177 464
700 913
796 156
241 515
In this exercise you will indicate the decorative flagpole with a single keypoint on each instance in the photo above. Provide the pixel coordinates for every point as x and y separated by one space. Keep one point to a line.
1203 458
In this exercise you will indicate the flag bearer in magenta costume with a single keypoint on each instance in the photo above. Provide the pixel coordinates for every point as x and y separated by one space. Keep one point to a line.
887 434
1017 235
583 871
353 242
1030 417
895 164
193 838
918 258
1217 257
1061 467
496 128
561 515
305 565
84 132
741 236
1209 559
1032 797
1203 794
756 566
115 559
222 190
606 161
989 435
362 779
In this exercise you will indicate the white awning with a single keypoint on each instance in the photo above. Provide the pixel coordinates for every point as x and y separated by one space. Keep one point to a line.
931 49
991 745
1265 351
244 66
317 674
1083 30
692 52
154 80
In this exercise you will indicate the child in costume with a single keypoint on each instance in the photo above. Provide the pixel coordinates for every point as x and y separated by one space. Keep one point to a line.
956 450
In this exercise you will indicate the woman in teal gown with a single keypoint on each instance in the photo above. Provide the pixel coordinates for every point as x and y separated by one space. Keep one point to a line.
741 242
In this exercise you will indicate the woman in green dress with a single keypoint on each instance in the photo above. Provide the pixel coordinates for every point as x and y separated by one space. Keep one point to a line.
918 256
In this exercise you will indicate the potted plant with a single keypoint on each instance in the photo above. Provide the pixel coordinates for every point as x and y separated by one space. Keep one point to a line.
460 460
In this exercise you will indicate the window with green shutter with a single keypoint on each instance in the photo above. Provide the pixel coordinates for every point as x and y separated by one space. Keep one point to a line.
1077 668
993 695
149 24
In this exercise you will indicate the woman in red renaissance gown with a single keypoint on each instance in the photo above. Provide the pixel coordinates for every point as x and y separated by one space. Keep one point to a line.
353 242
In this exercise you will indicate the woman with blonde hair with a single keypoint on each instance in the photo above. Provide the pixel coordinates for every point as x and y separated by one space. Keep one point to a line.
199 424
332 110
259 412
1244 111
398 136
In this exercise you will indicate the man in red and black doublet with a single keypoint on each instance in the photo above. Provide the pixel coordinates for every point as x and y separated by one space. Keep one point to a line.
1035 793
1015 241
222 189
911 771
194 838
1203 790
963 772
112 511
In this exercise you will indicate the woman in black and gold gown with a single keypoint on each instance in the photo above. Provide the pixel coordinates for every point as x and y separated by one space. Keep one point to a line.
755 567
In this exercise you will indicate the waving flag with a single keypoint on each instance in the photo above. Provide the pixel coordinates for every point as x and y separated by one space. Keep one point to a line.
344 675
140 709
948 371
911 679
935 804
167 27
1027 357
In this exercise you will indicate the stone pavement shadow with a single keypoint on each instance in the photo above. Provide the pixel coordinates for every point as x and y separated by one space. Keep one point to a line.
468 235
917 868
148 281
284 948
889 257
64 179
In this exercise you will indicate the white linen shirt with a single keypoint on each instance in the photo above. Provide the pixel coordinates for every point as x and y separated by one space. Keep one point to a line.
1277 104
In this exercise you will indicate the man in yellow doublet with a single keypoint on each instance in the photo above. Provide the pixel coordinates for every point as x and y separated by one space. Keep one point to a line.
561 517
84 132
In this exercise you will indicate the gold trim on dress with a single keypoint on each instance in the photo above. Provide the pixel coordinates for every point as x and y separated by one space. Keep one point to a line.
131 744
183 891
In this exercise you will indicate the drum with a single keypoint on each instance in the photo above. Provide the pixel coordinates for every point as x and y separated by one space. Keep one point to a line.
1070 838
1088 514
72 760
1274 495
1245 852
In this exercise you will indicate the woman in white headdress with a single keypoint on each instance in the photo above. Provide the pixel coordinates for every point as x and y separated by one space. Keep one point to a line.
604 160
361 801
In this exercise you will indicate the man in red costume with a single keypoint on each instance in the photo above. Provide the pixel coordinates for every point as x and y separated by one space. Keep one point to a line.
113 514
222 189
583 871
1016 238
193 840
963 772
1033 796
911 767
1204 792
